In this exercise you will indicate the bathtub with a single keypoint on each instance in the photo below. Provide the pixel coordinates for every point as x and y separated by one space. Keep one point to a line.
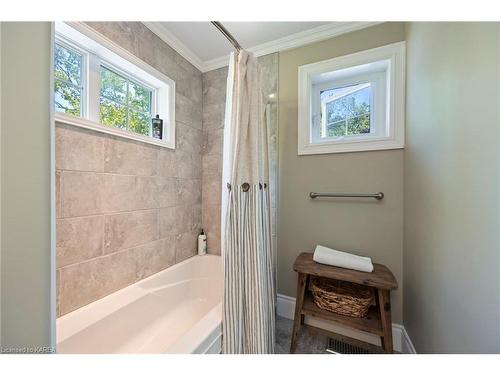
177 310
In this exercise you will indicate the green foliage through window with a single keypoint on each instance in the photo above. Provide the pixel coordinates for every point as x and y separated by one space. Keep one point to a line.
124 104
68 86
346 111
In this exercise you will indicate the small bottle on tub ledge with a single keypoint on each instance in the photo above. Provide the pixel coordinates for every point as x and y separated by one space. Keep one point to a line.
202 243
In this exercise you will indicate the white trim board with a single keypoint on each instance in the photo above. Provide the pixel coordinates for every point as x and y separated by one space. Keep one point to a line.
295 40
401 340
53 241
0 182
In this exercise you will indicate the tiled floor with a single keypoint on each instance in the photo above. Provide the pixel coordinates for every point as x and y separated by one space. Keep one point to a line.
308 342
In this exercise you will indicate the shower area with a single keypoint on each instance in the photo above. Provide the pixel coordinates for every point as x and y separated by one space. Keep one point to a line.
128 215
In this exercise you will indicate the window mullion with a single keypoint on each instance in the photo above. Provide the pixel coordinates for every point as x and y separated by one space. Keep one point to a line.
93 88
127 104
152 111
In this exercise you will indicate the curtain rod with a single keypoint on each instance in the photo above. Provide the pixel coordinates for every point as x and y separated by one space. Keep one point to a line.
227 34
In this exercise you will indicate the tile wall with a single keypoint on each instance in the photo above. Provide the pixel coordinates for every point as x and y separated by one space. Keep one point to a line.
127 209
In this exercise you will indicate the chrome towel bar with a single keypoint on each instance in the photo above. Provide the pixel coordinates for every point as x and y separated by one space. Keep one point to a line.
378 196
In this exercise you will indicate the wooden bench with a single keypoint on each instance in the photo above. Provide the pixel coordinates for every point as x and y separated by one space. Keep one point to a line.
378 320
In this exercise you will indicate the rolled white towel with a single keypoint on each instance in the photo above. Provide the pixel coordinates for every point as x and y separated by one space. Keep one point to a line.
337 258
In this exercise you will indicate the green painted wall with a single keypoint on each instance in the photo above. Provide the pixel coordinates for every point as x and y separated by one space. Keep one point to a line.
363 227
25 184
452 185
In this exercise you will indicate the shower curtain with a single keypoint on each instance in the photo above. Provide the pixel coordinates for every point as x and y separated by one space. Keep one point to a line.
248 322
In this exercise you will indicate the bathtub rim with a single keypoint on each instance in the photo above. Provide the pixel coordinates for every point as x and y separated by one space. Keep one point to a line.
80 319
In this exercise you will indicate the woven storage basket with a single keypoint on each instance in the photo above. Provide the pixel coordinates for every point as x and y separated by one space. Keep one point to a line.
341 297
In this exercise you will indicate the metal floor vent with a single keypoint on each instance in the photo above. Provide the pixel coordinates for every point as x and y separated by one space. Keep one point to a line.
335 346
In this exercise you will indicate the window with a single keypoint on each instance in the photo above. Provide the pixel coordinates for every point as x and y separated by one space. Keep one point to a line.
68 80
345 111
100 86
353 103
125 104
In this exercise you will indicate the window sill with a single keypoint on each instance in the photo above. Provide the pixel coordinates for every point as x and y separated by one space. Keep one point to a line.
350 146
91 125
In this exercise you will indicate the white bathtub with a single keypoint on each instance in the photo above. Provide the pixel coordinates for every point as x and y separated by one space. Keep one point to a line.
177 310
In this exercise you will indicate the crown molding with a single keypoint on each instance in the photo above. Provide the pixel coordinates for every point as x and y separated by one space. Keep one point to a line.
169 38
295 40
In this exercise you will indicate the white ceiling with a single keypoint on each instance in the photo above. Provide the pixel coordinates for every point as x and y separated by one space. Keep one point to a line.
206 48
208 43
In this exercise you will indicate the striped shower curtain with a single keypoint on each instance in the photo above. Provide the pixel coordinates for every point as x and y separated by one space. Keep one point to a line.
248 322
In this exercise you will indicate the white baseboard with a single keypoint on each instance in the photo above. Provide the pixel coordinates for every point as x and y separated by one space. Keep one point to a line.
401 340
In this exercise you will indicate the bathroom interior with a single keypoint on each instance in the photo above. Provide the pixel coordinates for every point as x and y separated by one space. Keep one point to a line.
368 143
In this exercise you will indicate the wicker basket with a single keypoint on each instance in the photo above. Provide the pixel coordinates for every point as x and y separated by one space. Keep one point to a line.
341 297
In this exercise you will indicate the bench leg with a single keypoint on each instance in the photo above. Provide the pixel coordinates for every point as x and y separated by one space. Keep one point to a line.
299 301
384 304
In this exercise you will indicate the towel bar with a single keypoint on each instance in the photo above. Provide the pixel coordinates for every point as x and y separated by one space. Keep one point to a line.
378 196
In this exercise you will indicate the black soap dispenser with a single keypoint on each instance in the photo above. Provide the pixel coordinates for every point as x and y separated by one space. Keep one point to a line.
157 127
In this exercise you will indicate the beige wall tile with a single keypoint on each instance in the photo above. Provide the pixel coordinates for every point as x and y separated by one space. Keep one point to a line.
127 193
189 84
188 192
185 245
130 229
79 149
189 139
211 225
196 166
214 86
214 242
184 164
167 221
86 282
119 193
146 43
212 190
197 218
187 111
121 33
154 257
129 157
175 220
133 181
212 165
213 140
146 192
167 166
213 116
187 66
58 195
78 239
168 191
81 193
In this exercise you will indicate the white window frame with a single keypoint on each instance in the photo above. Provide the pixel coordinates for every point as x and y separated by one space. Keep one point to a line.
388 110
114 69
68 45
99 51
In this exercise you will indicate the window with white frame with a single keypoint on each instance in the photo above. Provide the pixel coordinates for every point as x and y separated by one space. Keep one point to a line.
68 80
101 86
353 103
124 103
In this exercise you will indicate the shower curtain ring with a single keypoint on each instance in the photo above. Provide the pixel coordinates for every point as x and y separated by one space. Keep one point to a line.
245 186
228 186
